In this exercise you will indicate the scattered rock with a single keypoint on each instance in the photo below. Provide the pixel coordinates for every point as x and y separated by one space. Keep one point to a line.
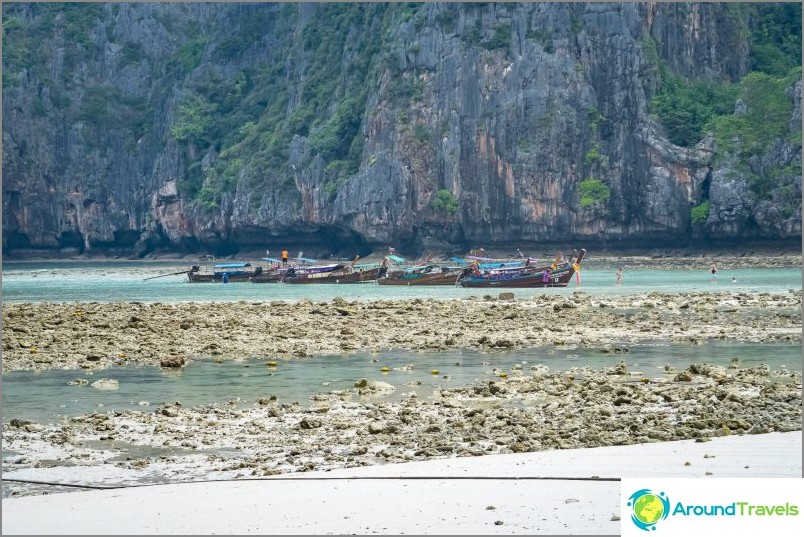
310 423
172 361
106 384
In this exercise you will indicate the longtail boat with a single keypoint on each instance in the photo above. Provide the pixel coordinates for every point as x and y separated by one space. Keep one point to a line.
225 272
285 274
556 275
355 274
423 275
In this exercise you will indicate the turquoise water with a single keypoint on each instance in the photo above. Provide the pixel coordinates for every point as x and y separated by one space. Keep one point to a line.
46 397
124 281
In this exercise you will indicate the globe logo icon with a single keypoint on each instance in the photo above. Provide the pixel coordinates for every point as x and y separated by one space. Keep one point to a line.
648 508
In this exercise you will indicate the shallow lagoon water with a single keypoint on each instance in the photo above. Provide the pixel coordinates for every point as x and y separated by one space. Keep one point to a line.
46 397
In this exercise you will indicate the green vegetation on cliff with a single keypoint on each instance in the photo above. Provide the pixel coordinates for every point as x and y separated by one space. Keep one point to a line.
684 108
445 201
319 94
776 39
594 193
768 106
746 118
700 213
688 109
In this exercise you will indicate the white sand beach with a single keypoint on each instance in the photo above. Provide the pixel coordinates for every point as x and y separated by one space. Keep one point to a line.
552 492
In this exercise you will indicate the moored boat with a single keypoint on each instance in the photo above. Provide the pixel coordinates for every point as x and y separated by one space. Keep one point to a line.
225 272
285 274
354 274
556 275
423 275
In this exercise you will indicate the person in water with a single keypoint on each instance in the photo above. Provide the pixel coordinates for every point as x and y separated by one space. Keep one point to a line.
619 275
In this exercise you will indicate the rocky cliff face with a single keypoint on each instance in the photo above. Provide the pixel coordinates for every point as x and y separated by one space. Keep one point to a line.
130 127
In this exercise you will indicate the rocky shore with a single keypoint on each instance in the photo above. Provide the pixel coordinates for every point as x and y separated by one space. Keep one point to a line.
96 335
529 409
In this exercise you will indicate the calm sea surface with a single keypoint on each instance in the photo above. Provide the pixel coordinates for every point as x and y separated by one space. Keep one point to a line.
47 397
125 281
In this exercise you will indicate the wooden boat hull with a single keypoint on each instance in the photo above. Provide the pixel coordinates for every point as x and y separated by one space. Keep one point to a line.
532 278
281 275
556 279
195 277
360 276
267 278
441 278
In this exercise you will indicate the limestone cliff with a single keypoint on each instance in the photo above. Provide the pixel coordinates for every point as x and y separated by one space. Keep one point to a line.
218 127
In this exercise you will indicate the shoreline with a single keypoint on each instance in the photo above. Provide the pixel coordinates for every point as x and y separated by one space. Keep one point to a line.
754 256
400 499
529 411
95 336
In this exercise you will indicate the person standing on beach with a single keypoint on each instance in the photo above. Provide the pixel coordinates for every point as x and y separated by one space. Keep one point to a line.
619 276
284 258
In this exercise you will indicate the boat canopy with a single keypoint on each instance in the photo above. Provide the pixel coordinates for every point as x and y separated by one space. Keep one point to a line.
395 258
367 265
306 259
501 264
271 259
319 267
418 267
233 265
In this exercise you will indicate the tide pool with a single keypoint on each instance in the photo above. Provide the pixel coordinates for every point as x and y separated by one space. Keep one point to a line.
46 396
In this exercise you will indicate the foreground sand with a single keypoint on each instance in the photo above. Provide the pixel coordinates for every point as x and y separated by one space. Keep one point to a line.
98 335
581 495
